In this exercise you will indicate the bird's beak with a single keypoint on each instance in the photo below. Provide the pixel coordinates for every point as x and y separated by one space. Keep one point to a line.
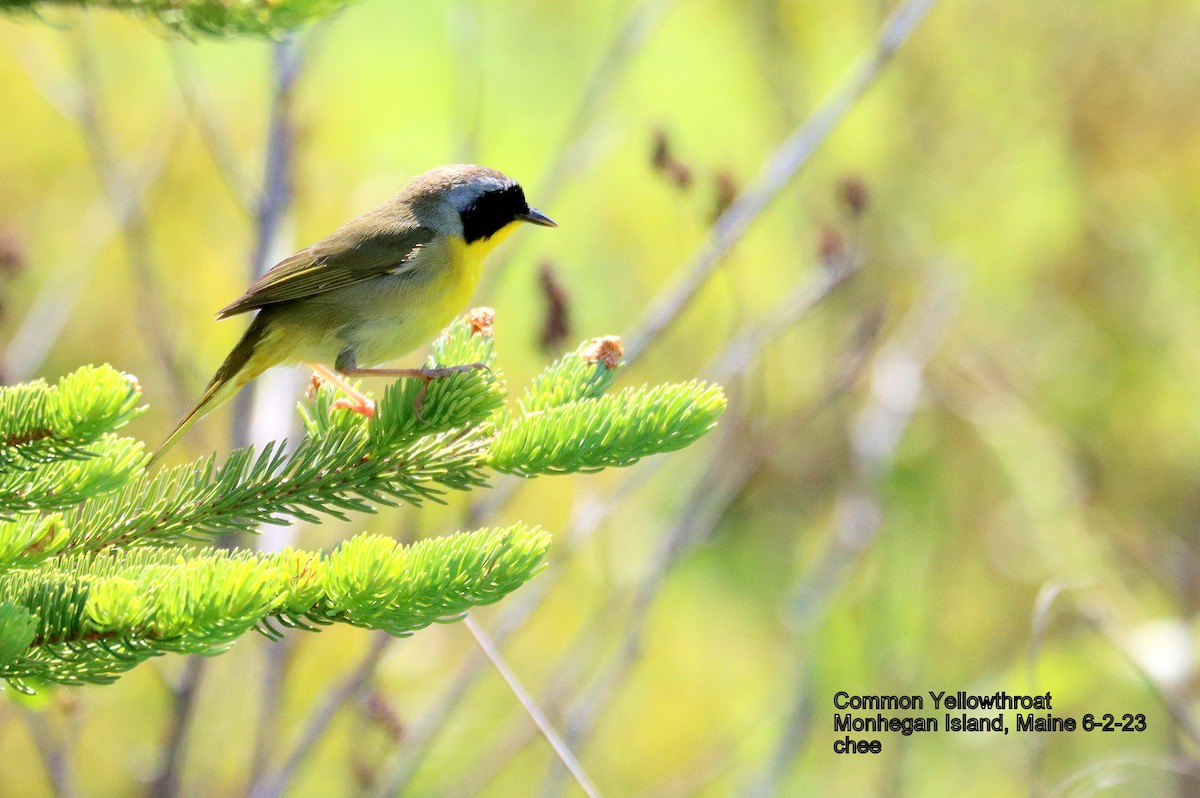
537 217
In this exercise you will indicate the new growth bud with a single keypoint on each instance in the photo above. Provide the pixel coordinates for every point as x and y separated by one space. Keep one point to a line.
607 350
481 320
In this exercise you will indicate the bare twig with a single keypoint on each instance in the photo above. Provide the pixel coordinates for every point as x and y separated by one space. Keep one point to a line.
704 507
400 767
183 700
738 356
256 417
116 180
896 388
778 171
571 151
212 131
273 783
738 458
55 751
561 750
44 321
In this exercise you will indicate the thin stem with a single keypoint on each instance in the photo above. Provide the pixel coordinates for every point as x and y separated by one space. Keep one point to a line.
740 355
183 702
56 755
572 150
737 459
780 169
213 133
251 414
273 783
117 183
556 741
276 194
403 763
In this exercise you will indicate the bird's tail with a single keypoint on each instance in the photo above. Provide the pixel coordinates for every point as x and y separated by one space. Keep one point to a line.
238 369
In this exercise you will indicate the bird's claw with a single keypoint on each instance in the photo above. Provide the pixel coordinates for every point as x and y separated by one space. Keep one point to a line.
364 408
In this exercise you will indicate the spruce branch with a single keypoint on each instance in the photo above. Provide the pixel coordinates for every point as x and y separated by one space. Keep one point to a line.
94 576
40 422
586 373
374 582
341 470
28 538
64 483
271 18
610 431
89 619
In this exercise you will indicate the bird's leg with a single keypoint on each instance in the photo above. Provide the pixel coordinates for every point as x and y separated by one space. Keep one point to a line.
353 400
425 375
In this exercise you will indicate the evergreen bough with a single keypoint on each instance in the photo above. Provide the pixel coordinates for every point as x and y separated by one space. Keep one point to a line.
100 568
211 17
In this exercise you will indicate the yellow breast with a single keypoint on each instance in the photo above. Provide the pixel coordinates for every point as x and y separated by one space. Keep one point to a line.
417 311
467 266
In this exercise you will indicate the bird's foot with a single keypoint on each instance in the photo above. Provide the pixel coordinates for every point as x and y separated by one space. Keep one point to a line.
354 401
356 404
426 375
314 386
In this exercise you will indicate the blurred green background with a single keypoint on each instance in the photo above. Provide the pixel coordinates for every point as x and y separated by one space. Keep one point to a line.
974 465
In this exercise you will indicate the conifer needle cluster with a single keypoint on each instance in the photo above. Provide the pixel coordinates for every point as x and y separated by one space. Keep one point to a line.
210 17
103 564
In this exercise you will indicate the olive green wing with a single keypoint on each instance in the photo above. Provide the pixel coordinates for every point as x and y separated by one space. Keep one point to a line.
344 258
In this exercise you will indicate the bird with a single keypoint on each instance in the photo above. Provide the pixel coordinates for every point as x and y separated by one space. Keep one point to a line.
373 290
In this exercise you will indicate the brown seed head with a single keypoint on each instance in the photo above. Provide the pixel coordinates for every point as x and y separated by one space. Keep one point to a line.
831 245
607 350
855 195
481 320
665 162
726 191
12 253
376 708
556 324
660 150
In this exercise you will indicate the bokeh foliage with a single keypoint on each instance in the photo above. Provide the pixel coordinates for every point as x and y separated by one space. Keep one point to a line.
1025 313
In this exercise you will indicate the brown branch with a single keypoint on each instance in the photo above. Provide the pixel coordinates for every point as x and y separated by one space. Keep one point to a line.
273 782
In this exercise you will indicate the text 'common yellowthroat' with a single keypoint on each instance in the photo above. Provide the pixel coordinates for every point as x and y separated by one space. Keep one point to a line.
376 288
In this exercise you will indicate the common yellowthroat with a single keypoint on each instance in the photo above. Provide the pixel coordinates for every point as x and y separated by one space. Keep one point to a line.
376 288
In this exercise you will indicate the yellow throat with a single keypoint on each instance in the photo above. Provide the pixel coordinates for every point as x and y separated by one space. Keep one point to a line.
469 267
